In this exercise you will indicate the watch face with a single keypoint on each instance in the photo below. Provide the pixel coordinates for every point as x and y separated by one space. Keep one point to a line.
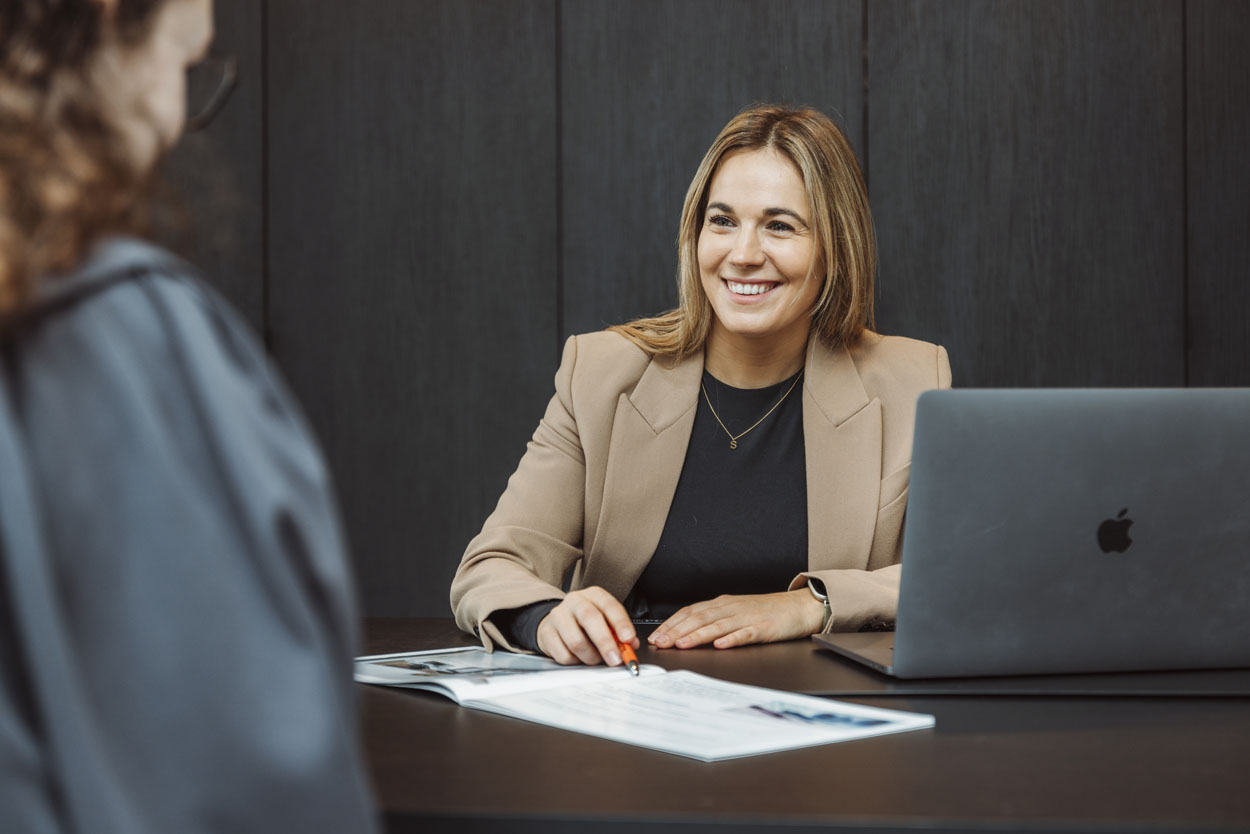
818 592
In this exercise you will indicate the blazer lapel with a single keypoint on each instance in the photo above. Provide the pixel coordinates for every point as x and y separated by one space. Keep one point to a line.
650 434
842 436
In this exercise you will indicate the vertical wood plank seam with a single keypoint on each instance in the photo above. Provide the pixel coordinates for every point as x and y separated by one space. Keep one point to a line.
266 323
559 185
864 93
1185 278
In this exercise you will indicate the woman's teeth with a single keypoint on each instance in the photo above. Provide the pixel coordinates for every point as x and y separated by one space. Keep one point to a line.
748 289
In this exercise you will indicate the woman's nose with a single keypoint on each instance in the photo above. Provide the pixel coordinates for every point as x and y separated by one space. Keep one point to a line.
746 250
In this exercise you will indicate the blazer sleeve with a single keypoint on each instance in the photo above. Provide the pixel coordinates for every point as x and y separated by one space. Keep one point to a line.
862 599
533 539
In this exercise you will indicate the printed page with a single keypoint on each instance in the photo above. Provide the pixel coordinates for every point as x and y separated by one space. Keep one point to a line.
474 673
703 718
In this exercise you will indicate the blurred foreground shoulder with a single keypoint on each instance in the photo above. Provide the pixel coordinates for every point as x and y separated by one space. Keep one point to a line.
177 551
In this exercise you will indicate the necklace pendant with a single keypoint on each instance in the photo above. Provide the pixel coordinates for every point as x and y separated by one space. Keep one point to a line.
733 444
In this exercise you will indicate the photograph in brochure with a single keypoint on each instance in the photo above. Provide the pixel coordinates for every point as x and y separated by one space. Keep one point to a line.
679 712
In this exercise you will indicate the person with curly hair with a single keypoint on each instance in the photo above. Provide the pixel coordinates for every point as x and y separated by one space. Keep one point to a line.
176 611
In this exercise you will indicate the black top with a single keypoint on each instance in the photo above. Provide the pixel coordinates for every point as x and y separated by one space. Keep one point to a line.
738 521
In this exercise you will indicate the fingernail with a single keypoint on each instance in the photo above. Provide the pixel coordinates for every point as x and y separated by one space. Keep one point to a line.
683 641
614 659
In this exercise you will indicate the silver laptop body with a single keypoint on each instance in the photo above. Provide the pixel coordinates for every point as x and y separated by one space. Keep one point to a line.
1083 530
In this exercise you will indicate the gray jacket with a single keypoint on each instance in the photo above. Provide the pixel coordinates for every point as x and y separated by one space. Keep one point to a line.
176 623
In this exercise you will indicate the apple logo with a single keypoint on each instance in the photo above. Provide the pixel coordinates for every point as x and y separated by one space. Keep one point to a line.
1113 533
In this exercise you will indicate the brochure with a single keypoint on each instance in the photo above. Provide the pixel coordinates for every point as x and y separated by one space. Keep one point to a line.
678 712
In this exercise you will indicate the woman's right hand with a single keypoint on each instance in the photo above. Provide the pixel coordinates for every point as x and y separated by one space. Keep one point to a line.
580 629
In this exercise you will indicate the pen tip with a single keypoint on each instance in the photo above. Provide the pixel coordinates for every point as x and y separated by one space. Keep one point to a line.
633 668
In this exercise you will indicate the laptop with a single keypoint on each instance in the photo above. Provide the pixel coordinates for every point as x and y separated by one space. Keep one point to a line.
1064 531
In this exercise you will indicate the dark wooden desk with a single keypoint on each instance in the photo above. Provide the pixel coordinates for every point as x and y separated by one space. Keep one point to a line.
993 763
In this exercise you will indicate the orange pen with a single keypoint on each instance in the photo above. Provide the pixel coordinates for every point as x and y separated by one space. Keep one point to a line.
627 654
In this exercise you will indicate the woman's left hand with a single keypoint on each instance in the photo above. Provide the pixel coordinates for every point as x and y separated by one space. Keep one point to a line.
729 621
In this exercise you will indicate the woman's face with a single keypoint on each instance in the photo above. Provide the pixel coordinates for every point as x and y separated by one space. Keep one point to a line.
755 248
144 84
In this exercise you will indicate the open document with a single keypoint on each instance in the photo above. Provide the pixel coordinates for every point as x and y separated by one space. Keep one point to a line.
677 712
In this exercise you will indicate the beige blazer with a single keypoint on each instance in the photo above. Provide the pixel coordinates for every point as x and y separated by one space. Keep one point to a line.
589 499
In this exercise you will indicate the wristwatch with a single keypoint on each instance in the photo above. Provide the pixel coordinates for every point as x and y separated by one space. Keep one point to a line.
818 590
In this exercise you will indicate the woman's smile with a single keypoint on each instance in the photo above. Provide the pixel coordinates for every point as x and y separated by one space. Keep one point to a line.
750 290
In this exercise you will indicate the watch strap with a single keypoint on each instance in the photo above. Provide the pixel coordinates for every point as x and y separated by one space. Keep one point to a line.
818 590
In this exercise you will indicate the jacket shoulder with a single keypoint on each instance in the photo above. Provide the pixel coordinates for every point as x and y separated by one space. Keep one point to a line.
608 346
899 365
605 360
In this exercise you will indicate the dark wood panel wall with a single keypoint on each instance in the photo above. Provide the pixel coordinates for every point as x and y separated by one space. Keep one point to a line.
427 196
413 262
1217 134
1028 184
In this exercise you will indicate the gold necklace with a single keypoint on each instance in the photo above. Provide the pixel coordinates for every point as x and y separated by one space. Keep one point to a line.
733 438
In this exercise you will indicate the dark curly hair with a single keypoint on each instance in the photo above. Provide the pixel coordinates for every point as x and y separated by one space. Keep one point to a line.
65 179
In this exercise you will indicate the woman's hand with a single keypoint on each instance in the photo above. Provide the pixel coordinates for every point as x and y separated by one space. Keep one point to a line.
729 621
579 629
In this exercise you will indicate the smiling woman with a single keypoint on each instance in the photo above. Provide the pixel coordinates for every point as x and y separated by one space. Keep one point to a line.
734 470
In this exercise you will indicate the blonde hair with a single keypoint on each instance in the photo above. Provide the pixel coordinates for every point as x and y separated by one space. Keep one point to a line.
846 249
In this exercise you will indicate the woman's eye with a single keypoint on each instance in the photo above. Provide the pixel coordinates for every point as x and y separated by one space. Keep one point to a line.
719 220
778 226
